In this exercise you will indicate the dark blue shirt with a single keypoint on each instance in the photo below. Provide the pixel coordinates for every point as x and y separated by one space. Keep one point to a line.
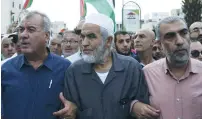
29 93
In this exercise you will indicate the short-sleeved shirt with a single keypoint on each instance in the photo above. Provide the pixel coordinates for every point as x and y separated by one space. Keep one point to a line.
29 93
177 98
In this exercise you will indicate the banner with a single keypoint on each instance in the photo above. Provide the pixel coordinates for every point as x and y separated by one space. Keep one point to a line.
131 18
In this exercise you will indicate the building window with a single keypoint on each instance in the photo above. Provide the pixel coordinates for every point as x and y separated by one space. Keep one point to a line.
13 4
19 19
19 6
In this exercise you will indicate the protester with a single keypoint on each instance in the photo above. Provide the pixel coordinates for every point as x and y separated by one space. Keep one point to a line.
143 44
157 51
123 41
7 47
77 56
196 50
14 39
103 84
55 45
196 31
175 82
32 82
70 43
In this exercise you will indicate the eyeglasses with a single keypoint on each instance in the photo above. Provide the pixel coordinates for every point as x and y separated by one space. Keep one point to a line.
195 53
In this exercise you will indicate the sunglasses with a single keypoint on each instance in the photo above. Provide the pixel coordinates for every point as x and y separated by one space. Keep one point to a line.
195 53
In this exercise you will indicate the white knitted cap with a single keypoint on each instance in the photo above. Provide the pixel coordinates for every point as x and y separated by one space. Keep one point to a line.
101 20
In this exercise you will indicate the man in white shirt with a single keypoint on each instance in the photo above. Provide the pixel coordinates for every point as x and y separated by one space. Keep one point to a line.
77 56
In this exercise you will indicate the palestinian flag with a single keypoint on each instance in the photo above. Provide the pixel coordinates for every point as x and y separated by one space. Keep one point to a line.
82 8
102 6
27 4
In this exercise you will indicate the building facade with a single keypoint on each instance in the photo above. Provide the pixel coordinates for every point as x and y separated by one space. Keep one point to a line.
177 12
151 20
10 11
57 26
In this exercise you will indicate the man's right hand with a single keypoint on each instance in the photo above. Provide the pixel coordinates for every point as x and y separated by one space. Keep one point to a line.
144 111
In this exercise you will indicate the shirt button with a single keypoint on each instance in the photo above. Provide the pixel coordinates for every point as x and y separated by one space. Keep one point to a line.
178 101
178 118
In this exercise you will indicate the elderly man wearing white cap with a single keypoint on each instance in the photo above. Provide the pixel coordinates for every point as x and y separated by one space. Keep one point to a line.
104 84
7 47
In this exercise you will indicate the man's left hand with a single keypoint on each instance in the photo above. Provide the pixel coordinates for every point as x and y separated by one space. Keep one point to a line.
69 110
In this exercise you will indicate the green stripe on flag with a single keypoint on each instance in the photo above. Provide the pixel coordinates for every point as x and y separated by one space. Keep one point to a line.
103 7
27 4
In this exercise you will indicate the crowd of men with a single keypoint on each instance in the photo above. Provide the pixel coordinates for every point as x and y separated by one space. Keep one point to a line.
93 73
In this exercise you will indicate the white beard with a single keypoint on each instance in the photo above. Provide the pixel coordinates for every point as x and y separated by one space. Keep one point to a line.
88 58
97 56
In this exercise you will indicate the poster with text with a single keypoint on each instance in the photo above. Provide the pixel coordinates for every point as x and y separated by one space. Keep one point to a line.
131 20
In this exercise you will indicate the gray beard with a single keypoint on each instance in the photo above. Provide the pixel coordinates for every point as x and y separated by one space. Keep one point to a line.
98 55
178 61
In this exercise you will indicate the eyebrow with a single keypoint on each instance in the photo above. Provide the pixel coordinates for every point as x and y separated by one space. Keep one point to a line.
197 28
29 26
173 32
141 34
90 33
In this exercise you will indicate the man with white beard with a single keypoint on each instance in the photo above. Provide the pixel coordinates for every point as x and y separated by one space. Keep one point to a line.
104 84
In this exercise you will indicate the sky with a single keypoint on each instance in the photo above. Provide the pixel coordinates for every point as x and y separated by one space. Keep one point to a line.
69 10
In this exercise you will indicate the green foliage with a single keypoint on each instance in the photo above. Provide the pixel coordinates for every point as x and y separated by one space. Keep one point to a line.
192 10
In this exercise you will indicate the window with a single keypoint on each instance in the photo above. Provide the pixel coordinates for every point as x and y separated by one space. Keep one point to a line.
19 19
19 6
13 4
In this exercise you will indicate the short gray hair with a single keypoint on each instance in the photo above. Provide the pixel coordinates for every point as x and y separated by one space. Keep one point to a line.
166 21
46 24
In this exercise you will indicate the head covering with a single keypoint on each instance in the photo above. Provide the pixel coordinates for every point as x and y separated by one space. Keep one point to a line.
102 21
12 36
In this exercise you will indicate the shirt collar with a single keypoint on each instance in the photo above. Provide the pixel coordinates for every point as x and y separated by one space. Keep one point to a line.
192 66
48 62
117 64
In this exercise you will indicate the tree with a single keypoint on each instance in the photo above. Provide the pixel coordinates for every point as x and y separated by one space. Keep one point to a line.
192 10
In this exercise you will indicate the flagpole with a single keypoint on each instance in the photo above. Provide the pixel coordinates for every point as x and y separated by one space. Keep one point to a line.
81 8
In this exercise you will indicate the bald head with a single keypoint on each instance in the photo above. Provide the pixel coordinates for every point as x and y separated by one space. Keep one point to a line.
196 31
147 32
144 39
196 46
